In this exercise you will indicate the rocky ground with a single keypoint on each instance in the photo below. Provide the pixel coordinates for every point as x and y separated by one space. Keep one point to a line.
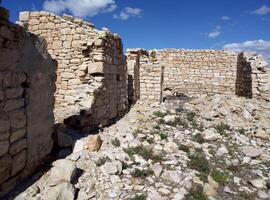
205 148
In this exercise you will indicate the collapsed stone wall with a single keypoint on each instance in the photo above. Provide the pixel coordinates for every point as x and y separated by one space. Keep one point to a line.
27 85
91 74
195 72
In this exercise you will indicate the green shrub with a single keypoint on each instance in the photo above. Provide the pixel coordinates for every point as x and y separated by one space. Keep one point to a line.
196 194
198 138
242 131
219 176
102 160
147 154
160 114
184 148
115 142
139 197
191 116
163 136
222 128
137 173
199 162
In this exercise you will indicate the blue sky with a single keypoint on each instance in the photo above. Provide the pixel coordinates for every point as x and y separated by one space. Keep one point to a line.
150 24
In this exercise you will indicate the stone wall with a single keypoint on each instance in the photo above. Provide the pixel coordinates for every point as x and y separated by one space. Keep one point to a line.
27 86
91 74
194 72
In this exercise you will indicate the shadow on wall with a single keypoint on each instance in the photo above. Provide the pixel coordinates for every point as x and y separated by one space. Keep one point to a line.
243 85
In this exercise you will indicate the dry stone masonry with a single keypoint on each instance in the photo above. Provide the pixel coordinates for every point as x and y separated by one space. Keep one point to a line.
64 71
27 78
91 73
158 73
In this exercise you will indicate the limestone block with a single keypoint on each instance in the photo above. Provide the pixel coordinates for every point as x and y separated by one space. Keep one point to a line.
13 92
95 68
4 145
19 161
75 61
74 82
65 31
76 44
50 25
4 122
16 135
17 147
57 44
93 142
35 14
67 75
17 118
33 22
5 164
13 104
4 135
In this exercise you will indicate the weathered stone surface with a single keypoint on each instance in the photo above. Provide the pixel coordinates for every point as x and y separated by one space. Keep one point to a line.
252 152
14 104
14 92
110 168
18 146
16 135
93 142
4 146
4 122
5 164
17 118
18 162
63 191
63 171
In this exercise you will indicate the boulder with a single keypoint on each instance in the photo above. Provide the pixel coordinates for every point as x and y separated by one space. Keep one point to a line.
252 151
93 142
62 171
63 191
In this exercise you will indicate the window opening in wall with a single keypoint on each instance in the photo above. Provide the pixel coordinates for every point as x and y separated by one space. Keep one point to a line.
117 77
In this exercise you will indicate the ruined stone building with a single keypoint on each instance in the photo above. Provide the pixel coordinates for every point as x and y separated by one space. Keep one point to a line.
155 74
91 72
62 70
27 85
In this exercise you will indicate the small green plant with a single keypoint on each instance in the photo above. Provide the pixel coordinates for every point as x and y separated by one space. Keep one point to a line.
160 114
157 127
219 176
212 151
139 197
191 116
242 131
198 138
136 132
184 148
163 136
137 173
115 142
180 122
150 140
199 162
147 154
196 194
102 160
179 109
222 128
203 176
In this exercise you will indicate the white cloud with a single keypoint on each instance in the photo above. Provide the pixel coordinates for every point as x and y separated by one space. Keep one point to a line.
214 34
259 46
225 18
127 13
263 10
80 8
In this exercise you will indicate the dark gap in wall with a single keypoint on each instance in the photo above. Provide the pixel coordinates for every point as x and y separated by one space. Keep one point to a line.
243 85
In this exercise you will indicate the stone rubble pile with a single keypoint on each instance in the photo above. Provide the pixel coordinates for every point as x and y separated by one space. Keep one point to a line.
177 150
